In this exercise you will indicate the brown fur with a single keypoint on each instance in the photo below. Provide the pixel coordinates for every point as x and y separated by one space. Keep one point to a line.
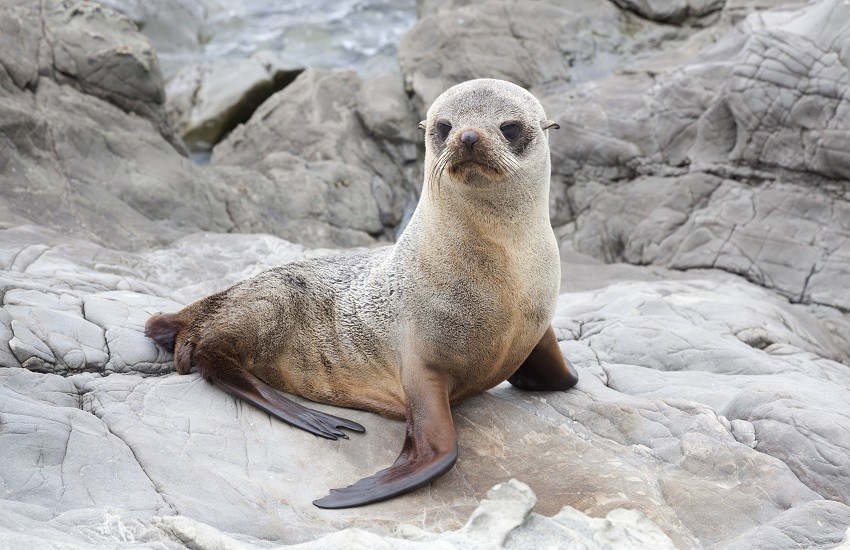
468 290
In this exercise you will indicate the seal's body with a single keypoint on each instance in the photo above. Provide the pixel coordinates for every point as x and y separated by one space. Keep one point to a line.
462 302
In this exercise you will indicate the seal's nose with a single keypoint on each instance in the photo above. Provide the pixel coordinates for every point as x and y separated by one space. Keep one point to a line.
470 138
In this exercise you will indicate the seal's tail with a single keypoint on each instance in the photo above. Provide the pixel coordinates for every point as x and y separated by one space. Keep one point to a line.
163 328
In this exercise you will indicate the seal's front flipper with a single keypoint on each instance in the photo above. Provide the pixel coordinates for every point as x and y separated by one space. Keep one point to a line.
545 369
235 380
430 447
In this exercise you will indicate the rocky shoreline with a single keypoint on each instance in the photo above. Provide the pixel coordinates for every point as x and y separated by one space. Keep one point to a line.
701 196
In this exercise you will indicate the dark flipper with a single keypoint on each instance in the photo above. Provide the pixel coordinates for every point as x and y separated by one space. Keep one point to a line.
545 369
232 378
430 447
163 329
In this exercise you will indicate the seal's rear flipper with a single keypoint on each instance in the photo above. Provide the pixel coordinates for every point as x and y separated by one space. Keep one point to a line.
163 328
430 448
545 369
235 380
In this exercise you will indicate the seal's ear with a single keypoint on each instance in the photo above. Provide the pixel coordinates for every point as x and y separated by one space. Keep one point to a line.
550 124
422 125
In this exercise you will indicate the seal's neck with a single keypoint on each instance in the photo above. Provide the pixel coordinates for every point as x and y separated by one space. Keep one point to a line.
501 207
511 250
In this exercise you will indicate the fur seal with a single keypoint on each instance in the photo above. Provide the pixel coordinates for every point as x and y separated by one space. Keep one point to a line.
462 302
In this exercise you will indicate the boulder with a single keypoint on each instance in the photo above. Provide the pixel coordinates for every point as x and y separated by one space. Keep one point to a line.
671 11
735 157
81 133
206 101
355 137
85 46
527 43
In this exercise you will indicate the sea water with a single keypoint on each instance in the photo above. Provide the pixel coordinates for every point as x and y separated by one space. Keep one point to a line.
356 34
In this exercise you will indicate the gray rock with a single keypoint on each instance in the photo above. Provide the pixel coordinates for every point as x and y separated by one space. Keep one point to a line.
780 235
671 11
93 319
620 529
101 53
528 43
763 95
112 175
205 102
366 159
732 160
692 392
70 143
766 95
98 52
173 25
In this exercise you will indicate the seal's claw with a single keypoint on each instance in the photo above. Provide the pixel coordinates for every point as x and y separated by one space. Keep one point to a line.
324 425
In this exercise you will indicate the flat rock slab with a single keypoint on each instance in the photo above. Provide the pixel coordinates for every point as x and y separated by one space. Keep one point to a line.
693 392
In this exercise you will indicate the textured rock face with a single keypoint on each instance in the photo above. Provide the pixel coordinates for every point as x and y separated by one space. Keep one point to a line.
90 48
207 101
671 11
780 235
779 102
82 132
341 133
703 390
504 520
527 43
734 160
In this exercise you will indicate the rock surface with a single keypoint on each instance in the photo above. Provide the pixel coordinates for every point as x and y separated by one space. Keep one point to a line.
205 102
671 11
733 160
504 520
81 133
714 365
736 401
528 43
358 138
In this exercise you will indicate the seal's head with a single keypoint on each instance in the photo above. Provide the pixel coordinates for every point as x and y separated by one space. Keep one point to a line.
485 131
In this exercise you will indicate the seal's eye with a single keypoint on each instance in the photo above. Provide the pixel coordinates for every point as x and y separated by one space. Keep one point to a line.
443 129
510 130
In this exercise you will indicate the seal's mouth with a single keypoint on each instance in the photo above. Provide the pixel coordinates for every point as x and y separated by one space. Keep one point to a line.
476 162
470 167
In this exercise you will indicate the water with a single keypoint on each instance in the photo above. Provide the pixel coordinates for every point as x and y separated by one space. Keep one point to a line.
357 34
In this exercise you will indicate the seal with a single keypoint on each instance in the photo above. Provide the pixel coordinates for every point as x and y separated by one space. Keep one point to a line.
462 302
